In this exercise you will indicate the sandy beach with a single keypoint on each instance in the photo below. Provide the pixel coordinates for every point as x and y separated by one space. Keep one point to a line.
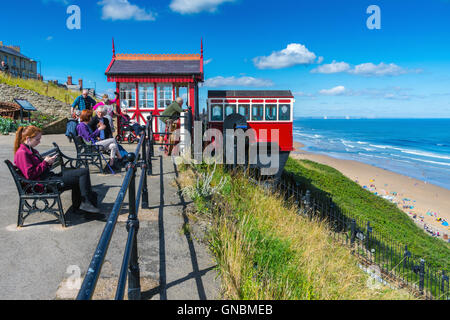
424 197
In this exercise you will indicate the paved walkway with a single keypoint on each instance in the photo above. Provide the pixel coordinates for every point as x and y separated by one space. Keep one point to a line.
36 260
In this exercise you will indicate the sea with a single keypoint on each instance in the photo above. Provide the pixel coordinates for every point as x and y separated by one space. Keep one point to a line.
418 148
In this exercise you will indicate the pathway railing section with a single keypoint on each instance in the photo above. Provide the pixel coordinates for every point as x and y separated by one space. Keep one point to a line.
378 253
130 271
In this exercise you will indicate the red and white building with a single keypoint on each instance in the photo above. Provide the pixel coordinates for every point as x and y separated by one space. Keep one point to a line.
148 83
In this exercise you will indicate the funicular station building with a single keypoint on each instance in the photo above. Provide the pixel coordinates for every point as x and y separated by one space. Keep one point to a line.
148 83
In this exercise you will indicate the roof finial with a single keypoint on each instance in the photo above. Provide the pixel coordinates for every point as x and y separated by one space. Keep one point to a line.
113 48
201 43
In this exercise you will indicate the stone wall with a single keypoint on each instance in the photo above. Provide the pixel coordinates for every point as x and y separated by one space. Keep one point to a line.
42 103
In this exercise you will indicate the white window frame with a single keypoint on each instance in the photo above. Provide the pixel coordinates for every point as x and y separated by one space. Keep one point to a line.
150 87
129 89
165 98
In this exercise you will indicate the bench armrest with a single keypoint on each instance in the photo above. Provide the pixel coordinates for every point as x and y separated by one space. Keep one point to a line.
69 162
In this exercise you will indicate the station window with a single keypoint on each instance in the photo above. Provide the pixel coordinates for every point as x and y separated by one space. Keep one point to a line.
146 96
271 112
229 109
164 95
284 112
127 95
244 110
257 112
217 112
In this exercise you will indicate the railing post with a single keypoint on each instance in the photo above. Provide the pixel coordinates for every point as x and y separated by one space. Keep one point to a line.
406 255
353 231
150 144
444 279
421 275
134 286
368 232
144 172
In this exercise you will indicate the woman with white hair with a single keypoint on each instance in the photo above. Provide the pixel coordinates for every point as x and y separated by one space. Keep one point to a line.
109 108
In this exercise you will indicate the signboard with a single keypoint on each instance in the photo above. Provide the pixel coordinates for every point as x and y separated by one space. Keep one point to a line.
25 105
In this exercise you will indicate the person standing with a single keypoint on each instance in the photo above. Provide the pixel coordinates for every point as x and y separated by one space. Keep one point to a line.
83 102
172 112
4 67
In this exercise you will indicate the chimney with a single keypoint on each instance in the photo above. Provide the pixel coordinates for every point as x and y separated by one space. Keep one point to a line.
1 43
15 48
80 83
69 81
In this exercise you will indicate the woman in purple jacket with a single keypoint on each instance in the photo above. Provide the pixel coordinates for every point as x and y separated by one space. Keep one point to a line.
89 136
34 167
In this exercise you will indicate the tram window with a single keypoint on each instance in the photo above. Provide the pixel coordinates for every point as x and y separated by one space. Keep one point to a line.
285 112
127 95
257 112
244 110
271 112
217 112
229 109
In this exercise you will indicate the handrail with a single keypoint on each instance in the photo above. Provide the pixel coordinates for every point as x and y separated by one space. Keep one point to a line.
130 260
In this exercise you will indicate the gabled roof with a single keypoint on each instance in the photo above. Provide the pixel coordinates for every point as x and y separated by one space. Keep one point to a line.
143 67
155 64
249 93
13 52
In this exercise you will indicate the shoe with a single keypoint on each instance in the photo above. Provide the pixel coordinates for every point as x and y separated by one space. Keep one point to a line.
88 207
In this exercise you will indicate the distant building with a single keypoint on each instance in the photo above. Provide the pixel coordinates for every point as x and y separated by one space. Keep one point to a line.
19 64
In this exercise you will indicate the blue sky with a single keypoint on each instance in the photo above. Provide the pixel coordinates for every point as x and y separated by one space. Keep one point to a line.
321 50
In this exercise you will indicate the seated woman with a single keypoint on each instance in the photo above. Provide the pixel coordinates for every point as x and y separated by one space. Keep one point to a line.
34 167
85 131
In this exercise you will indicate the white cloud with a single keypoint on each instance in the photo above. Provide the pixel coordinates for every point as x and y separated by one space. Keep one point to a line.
294 54
336 91
195 6
124 10
303 94
240 82
65 2
382 69
364 69
333 67
49 38
207 61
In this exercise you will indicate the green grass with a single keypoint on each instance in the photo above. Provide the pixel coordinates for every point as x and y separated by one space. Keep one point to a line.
384 216
265 250
50 90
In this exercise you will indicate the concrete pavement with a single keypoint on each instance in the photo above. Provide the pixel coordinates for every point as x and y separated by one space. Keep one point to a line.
37 261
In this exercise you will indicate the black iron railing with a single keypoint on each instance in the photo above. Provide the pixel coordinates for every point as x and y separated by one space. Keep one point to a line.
130 266
393 260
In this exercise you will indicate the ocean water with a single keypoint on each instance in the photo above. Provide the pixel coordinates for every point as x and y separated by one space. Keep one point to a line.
419 148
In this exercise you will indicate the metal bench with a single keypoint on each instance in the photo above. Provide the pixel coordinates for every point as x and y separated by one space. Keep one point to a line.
89 152
45 196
